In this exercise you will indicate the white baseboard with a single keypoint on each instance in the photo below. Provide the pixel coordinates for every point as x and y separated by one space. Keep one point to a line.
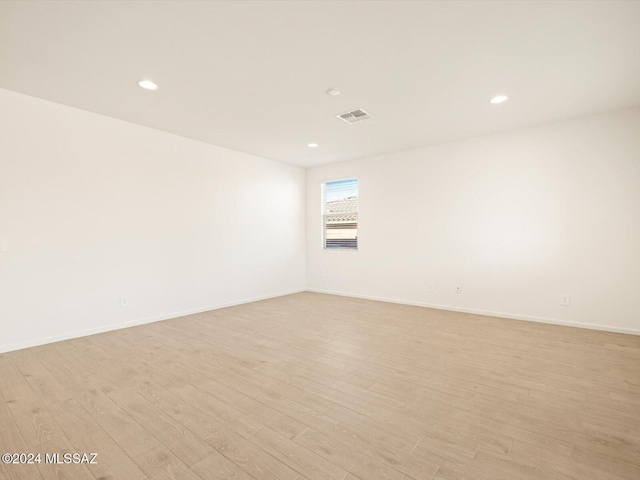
512 316
158 318
133 323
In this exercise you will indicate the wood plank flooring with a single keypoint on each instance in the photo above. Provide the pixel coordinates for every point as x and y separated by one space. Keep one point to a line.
312 386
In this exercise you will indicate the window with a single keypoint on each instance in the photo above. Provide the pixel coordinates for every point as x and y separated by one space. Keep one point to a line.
340 214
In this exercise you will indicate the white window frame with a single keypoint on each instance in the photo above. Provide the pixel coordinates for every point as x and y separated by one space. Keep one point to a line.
322 214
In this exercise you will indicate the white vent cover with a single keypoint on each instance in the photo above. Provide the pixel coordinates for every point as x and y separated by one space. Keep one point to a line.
354 116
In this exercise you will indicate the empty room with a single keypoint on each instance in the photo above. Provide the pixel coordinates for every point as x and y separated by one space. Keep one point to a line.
309 240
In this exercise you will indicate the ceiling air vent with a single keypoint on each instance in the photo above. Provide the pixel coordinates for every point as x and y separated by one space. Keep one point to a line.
354 116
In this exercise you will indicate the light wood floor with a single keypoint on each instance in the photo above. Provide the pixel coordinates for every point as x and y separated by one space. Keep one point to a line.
311 386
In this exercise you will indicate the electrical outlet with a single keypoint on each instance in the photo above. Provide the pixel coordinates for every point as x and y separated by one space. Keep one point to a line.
458 289
431 287
4 244
565 300
124 302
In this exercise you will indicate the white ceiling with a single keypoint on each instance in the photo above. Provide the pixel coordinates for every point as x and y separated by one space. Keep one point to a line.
252 75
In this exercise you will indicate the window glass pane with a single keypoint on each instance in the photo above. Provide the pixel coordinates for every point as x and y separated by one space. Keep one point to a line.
341 214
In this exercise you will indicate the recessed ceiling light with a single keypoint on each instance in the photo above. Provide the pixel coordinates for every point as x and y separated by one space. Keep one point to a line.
147 85
312 145
334 92
499 99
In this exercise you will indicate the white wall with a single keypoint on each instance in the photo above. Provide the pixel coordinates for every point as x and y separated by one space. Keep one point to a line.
515 219
95 208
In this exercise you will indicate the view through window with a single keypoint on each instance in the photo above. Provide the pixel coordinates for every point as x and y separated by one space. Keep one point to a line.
340 214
